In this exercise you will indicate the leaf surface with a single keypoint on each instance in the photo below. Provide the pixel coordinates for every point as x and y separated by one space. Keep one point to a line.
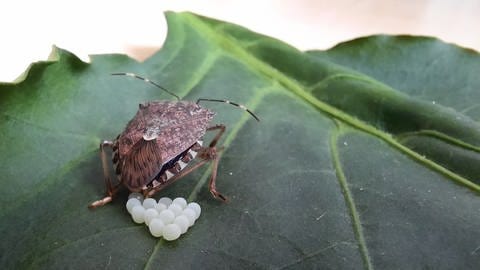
367 155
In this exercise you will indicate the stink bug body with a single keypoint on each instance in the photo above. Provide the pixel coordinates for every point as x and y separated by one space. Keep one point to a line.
158 143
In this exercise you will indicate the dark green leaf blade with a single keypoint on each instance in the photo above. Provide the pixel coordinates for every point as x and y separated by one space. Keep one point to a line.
389 59
318 183
442 103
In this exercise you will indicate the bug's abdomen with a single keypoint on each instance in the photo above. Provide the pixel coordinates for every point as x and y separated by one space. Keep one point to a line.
116 159
175 166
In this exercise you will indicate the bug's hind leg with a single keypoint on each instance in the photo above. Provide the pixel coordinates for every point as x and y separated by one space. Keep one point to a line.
110 190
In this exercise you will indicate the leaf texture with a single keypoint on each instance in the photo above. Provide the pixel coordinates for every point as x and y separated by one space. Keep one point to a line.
367 155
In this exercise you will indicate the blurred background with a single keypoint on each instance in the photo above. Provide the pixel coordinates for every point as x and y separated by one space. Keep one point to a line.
138 28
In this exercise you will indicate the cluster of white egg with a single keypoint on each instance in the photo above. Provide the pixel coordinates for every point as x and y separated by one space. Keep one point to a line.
166 218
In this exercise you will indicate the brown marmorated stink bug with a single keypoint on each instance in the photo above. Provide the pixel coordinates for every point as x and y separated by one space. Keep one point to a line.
159 142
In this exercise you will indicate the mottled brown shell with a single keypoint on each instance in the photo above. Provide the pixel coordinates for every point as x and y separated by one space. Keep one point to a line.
159 132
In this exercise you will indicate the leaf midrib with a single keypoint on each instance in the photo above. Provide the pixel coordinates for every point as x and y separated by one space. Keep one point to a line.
269 72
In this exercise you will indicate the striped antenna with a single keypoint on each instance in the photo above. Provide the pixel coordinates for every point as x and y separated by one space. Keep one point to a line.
146 80
232 103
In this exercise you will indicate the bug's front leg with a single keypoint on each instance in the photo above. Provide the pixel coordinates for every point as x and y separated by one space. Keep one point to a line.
211 153
110 190
213 178
221 128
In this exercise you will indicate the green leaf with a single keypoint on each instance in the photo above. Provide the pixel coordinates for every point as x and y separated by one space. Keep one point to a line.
367 155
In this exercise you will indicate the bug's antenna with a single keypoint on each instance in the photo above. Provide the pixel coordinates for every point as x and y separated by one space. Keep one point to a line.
232 103
146 80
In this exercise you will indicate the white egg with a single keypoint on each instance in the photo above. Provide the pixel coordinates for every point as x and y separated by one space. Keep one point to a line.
160 207
138 214
131 203
183 222
149 203
167 216
136 195
190 214
156 227
165 200
150 214
171 232
176 209
180 201
196 207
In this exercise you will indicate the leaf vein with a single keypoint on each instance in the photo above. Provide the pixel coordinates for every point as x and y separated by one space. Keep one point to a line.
299 90
349 200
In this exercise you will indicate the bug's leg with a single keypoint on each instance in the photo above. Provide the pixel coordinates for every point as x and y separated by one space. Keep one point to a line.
219 134
107 198
213 178
110 190
211 153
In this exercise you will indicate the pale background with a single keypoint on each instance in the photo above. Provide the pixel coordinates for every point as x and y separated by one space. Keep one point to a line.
30 27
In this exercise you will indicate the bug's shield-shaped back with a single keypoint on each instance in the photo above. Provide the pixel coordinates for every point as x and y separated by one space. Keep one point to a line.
159 132
143 161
